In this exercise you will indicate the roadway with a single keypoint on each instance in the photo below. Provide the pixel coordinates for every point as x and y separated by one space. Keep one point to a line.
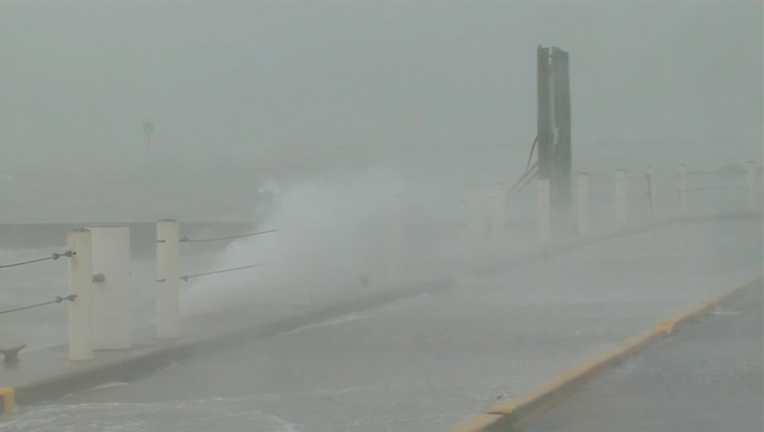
707 377
426 363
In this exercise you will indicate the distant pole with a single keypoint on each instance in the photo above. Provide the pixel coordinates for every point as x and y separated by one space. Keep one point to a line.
682 189
148 129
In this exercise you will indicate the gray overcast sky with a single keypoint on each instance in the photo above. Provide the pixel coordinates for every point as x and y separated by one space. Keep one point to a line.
230 76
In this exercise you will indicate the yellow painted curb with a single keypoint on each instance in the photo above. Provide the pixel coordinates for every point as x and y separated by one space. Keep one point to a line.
539 400
483 423
7 400
642 339
514 413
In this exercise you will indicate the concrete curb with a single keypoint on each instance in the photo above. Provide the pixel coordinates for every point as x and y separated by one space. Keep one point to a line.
133 366
517 412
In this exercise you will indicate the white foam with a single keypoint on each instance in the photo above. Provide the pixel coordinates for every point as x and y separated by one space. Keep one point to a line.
330 232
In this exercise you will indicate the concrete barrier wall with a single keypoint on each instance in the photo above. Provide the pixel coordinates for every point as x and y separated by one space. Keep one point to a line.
142 234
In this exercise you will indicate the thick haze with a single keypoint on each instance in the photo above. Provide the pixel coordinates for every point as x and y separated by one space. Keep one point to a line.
228 77
401 299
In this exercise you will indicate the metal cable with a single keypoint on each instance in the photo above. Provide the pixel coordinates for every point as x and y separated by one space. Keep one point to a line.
715 173
717 188
187 240
530 156
186 278
288 259
53 257
524 181
57 300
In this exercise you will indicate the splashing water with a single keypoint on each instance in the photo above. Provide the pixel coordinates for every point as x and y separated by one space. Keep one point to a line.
331 231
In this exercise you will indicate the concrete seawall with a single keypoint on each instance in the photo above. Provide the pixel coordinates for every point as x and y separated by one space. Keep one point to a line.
142 234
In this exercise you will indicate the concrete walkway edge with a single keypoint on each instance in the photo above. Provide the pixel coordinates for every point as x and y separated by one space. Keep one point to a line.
131 367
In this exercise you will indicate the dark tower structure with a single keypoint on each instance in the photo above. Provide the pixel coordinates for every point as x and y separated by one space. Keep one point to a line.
554 153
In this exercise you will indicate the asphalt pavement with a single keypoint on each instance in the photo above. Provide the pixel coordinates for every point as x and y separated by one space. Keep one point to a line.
709 376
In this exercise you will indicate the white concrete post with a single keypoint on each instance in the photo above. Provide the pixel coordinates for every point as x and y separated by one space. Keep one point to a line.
112 303
544 211
473 224
621 202
499 247
480 226
750 179
582 198
80 285
652 193
395 239
168 297
465 228
683 188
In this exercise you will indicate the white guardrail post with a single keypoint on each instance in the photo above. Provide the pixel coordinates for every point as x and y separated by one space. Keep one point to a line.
682 188
111 292
498 208
480 227
80 285
621 202
751 183
473 225
395 240
168 280
465 226
652 193
582 203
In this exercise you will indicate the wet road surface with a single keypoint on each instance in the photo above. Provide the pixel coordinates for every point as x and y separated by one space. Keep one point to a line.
426 363
707 377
